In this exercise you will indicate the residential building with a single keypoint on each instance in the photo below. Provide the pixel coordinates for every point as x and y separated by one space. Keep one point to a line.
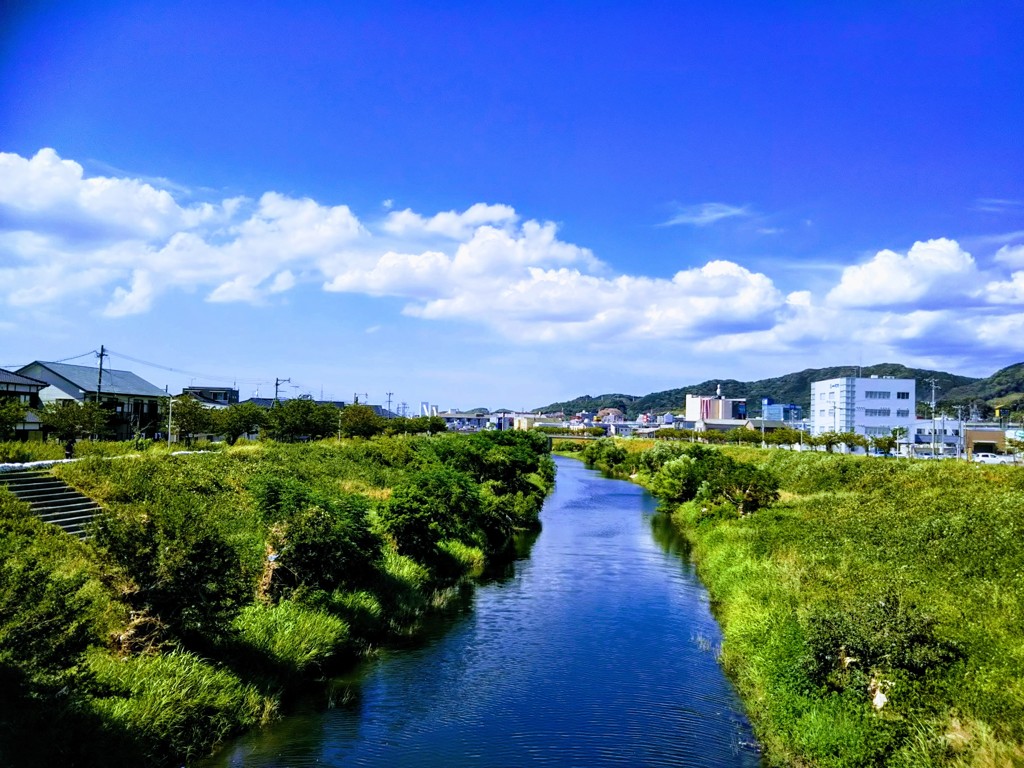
867 406
215 397
14 386
134 403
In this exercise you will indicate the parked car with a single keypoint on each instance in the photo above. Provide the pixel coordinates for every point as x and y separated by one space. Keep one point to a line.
993 458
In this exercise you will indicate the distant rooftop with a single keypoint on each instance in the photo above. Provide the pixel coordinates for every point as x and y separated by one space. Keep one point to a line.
9 377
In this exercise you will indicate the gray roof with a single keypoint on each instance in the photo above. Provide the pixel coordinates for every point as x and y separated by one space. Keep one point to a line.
114 382
9 377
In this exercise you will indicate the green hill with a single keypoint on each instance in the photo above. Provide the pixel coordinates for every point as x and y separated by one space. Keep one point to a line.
790 388
1002 387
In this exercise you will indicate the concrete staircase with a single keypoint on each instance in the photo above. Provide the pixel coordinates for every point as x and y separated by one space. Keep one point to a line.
52 500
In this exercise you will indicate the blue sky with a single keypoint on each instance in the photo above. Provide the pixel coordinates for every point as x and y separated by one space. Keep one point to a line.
510 204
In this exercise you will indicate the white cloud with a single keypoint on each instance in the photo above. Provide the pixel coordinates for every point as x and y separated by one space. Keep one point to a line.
706 213
451 224
119 246
997 205
931 270
1010 255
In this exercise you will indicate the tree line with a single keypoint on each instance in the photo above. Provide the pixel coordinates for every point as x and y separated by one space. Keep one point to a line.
299 419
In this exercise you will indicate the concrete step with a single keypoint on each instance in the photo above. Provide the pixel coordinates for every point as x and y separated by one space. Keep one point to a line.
52 500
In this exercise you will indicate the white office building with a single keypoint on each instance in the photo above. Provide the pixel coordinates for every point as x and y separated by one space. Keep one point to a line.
868 406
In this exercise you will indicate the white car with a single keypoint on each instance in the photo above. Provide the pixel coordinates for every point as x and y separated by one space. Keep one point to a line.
992 458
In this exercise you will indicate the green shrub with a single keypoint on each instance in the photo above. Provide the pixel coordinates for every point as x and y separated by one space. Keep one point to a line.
436 503
15 452
184 570
327 547
53 601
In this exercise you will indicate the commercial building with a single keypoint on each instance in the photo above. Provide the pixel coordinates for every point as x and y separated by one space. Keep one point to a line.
787 412
705 408
867 406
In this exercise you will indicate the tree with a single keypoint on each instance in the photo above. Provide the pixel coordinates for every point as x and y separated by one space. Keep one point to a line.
239 419
12 413
189 417
360 421
829 439
852 441
69 420
301 418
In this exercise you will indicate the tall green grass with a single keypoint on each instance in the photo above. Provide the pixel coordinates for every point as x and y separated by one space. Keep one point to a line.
172 704
874 574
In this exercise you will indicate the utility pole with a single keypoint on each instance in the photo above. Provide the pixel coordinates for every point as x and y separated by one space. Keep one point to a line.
932 381
99 381
277 385
960 437
389 403
170 410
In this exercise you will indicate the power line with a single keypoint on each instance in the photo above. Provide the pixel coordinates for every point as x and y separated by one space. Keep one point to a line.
181 370
64 360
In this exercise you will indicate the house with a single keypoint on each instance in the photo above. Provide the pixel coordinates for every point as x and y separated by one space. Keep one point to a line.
872 407
14 386
134 403
214 397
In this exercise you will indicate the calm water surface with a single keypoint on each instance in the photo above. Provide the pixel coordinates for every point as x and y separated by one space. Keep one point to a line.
599 650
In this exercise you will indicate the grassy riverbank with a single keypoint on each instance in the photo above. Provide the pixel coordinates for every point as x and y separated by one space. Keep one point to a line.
216 585
874 613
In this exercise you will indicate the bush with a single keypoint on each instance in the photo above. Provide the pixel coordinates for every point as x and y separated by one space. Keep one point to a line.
53 603
183 568
434 504
327 547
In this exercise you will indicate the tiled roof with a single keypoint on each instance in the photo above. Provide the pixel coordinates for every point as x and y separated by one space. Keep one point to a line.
114 382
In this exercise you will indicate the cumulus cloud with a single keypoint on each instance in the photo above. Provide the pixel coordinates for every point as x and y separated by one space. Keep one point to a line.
1011 255
933 270
450 224
69 241
706 213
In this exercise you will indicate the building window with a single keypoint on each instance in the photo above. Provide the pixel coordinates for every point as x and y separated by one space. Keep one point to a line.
821 412
877 395
902 395
876 431
821 396
876 411
903 413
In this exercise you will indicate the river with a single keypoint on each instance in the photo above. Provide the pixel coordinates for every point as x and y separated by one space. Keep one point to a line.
598 649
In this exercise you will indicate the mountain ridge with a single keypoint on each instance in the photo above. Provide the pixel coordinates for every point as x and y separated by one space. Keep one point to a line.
795 387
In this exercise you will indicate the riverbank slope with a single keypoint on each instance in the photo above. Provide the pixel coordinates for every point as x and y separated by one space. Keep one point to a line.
216 585
874 613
